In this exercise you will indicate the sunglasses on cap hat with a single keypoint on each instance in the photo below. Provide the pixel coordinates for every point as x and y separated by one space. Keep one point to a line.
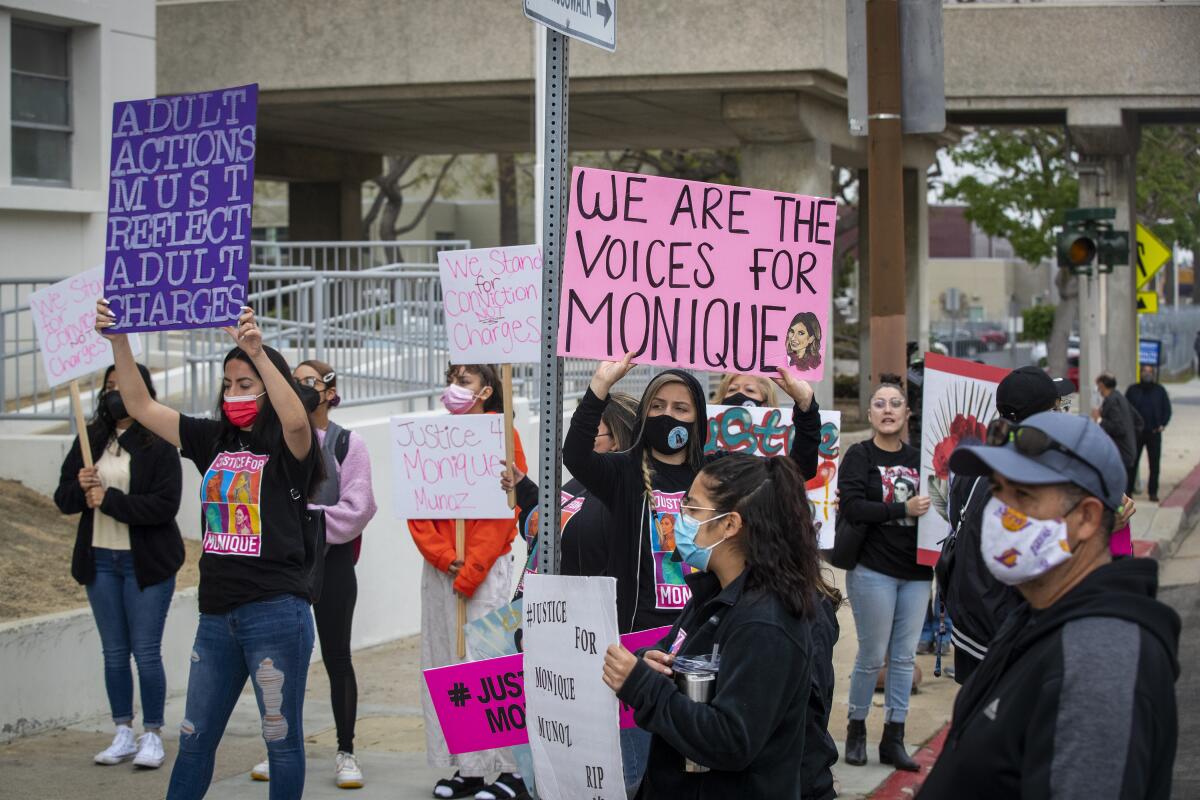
1032 442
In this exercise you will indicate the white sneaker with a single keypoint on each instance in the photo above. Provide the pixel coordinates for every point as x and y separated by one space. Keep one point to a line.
348 774
261 771
150 751
123 746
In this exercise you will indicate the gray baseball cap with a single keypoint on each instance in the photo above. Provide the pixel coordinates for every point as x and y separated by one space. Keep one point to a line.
1094 464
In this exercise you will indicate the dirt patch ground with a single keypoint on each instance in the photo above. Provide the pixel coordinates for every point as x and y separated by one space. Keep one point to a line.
36 541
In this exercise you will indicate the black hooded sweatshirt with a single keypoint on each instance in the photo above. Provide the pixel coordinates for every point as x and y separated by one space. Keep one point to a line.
1074 700
650 587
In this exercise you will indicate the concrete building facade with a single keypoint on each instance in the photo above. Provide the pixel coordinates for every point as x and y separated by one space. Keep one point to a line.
63 63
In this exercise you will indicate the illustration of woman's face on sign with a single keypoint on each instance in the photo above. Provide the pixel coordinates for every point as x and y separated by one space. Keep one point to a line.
798 339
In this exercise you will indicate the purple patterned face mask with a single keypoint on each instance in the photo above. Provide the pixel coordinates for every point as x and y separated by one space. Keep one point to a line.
1017 548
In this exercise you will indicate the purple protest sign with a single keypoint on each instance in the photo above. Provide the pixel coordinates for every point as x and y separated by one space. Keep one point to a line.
181 186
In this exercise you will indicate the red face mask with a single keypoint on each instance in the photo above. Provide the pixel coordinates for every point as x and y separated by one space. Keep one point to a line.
241 410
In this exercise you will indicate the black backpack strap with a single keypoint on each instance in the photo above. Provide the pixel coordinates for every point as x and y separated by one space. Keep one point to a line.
342 446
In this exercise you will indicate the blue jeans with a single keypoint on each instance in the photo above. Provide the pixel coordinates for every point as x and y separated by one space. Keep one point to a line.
130 621
635 753
888 614
271 641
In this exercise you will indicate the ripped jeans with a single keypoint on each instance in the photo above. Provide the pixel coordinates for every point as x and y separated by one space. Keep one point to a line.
270 641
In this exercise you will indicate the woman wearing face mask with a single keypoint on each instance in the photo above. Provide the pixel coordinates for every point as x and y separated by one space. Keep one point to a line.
348 501
127 551
745 390
484 577
583 547
259 451
745 525
648 481
888 590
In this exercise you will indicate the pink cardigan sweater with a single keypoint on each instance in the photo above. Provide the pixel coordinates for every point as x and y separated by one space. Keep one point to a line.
346 519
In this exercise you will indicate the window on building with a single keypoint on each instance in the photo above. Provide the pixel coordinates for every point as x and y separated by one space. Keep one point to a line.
41 105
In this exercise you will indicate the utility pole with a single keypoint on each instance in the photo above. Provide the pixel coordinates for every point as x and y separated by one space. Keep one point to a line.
885 212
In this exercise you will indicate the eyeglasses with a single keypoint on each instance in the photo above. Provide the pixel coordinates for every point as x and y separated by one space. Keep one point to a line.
881 403
309 382
1032 442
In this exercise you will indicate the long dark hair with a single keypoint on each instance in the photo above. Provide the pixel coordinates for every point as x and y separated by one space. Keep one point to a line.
778 537
103 427
267 431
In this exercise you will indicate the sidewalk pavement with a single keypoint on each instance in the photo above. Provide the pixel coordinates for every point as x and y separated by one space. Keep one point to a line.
390 733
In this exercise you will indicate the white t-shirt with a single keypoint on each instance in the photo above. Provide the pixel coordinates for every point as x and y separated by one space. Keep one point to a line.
113 468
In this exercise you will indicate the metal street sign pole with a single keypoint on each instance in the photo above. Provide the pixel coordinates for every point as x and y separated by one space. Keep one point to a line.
554 195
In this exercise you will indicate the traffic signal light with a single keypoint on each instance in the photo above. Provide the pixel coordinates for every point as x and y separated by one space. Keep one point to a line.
1087 237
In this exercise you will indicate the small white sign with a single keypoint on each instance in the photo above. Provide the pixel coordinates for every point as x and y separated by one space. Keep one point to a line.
448 467
64 317
492 298
573 718
591 21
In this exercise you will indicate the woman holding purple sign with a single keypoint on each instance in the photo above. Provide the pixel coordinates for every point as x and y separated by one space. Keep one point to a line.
259 454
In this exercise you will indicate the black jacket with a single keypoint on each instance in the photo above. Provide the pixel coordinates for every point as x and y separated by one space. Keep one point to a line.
1120 422
616 480
977 603
820 752
1075 700
751 733
149 509
1151 400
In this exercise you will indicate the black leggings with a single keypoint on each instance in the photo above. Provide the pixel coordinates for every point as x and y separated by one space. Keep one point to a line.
334 615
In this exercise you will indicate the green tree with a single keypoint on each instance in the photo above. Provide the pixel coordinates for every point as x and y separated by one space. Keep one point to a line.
1038 323
1021 183
1168 180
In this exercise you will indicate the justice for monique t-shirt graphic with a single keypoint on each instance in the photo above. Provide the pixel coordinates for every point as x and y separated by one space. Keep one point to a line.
899 486
229 500
670 592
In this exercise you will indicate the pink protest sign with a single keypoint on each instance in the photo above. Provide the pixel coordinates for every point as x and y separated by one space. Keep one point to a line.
481 704
696 275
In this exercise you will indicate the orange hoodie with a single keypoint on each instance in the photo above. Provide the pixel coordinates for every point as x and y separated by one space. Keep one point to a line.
487 539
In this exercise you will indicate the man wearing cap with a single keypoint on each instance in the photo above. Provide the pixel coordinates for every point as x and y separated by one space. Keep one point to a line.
975 601
1076 697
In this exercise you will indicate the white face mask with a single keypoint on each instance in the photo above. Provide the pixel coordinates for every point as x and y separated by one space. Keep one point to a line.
1017 548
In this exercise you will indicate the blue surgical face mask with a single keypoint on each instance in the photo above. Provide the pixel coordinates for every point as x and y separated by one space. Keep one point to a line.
685 539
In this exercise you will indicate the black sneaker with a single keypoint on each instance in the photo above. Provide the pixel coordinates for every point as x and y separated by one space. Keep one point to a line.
507 787
458 786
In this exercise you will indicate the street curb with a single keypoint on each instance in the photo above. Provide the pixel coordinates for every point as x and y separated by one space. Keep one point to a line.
1186 498
903 785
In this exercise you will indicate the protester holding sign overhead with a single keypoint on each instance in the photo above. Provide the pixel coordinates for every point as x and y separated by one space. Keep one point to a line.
259 462
127 551
483 576
745 527
643 487
348 503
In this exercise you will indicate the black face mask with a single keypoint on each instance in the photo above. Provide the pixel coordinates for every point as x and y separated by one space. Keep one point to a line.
114 406
309 397
666 434
740 399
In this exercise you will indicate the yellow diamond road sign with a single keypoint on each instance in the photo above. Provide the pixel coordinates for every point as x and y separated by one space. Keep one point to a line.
1151 255
1147 302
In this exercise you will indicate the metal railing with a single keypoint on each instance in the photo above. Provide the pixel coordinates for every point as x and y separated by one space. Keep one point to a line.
382 328
1177 328
337 256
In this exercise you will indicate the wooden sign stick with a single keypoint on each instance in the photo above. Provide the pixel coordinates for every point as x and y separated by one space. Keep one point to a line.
460 553
509 445
85 446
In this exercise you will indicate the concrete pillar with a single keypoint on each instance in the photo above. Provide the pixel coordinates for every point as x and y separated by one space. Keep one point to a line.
324 211
916 250
865 382
1107 147
780 152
